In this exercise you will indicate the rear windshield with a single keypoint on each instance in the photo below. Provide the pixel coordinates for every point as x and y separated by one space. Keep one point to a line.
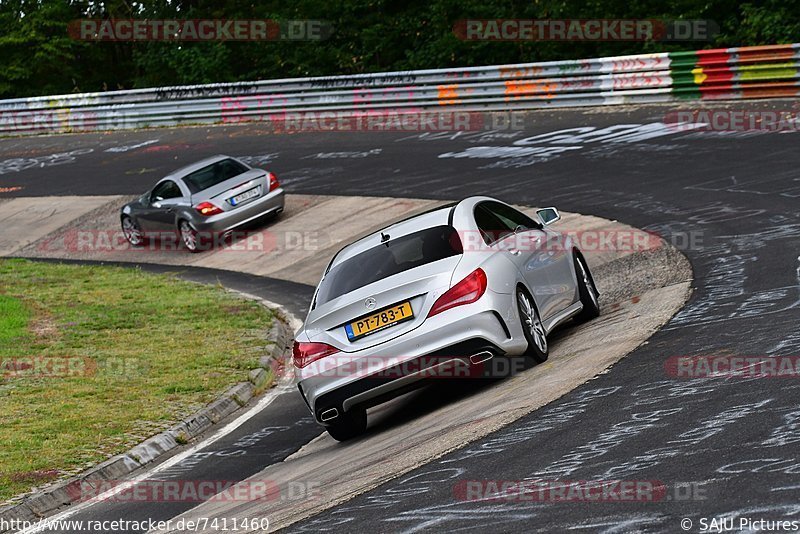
213 174
390 258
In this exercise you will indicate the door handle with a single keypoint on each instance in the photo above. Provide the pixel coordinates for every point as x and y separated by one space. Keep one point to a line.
514 252
170 209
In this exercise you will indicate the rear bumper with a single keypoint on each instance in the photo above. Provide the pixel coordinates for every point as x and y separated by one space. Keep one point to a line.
272 202
460 361
344 380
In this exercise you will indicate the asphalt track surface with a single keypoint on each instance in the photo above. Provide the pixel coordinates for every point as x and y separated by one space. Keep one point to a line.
723 447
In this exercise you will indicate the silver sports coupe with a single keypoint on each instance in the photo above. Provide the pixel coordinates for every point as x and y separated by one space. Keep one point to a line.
203 202
435 295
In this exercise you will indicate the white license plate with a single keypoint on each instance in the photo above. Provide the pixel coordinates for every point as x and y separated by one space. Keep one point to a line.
247 195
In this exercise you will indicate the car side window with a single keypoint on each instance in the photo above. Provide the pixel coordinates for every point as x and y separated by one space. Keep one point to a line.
511 217
166 190
492 228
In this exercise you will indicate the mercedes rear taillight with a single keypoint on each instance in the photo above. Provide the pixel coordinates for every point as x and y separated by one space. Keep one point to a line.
304 354
466 291
273 181
207 209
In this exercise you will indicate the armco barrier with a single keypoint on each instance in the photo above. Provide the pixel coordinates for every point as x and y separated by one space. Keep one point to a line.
732 73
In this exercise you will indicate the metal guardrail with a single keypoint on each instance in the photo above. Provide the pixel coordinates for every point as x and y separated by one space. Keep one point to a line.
732 73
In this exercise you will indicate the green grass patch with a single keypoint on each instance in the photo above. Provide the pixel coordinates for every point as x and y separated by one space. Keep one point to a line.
13 319
95 359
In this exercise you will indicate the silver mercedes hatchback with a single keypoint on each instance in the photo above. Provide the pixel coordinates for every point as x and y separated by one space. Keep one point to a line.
438 295
202 202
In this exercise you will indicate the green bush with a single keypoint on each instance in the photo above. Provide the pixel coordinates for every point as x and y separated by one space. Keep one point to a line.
38 57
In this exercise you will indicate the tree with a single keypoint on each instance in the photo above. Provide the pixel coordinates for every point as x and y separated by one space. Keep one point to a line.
38 57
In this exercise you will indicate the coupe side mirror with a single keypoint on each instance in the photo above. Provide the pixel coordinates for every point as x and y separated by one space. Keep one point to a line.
548 215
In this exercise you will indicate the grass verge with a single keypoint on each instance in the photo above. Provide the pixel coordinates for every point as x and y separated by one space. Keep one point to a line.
95 359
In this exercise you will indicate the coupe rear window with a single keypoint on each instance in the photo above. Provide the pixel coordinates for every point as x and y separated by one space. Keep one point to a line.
213 174
393 257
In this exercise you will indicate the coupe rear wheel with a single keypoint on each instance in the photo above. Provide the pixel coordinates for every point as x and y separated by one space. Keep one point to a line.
132 231
587 291
188 236
349 425
532 327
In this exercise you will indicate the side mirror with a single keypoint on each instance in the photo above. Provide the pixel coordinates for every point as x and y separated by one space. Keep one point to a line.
548 215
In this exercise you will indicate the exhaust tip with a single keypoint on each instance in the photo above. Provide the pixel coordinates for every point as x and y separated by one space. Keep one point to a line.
329 414
481 357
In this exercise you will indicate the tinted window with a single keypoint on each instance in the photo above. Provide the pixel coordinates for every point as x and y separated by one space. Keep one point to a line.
491 226
393 257
213 174
165 190
496 221
510 216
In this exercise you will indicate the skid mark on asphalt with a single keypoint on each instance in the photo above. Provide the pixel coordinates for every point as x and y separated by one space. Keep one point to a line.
128 148
21 164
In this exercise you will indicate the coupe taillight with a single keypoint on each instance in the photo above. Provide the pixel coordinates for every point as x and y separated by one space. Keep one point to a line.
466 291
304 354
273 181
207 209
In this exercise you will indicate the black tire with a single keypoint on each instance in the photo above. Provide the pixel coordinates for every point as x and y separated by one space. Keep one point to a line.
349 425
532 327
132 231
587 291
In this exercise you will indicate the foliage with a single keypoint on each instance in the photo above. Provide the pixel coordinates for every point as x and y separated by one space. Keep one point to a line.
38 57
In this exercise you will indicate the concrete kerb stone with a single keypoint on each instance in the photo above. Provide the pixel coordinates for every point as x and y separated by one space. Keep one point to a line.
258 377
